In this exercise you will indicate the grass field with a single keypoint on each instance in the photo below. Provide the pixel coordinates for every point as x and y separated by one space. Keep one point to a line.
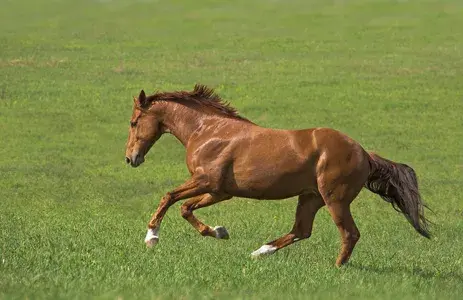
73 216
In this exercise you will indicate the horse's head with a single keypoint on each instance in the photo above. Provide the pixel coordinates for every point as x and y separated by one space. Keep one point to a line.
145 129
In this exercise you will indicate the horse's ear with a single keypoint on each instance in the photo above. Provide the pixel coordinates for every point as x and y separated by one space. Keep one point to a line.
142 98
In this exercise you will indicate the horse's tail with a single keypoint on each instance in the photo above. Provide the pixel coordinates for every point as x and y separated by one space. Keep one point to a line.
397 184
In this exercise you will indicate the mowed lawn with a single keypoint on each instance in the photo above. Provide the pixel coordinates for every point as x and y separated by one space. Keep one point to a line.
73 216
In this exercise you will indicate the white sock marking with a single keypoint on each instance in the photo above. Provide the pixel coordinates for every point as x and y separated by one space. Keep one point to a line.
152 234
265 249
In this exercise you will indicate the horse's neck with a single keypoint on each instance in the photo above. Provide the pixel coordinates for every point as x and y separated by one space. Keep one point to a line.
182 121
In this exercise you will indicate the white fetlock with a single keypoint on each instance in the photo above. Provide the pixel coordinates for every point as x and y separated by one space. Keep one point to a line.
152 237
264 250
221 232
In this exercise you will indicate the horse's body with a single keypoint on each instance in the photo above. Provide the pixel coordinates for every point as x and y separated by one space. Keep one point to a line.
228 155
270 164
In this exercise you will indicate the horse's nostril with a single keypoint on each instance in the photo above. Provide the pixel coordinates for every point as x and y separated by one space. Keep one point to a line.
127 160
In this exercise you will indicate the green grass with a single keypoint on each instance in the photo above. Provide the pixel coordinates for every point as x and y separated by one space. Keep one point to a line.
73 216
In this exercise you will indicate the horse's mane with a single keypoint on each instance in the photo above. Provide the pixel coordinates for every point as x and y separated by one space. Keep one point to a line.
201 95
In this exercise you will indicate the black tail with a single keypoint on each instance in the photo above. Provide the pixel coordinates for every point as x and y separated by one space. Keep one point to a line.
396 183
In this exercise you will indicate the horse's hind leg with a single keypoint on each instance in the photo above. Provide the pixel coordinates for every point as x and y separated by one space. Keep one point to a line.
192 204
342 217
338 201
307 208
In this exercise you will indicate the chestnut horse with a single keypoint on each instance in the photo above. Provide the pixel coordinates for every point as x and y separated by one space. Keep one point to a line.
227 155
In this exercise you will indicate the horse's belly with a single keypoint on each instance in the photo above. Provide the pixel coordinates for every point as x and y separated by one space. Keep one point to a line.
269 183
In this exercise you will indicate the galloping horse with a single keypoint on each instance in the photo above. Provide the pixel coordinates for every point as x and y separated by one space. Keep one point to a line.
227 155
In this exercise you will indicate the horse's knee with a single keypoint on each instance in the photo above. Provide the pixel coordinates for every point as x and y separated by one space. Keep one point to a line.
185 211
167 199
352 237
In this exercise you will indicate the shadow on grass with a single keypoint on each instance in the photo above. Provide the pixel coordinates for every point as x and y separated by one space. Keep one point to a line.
414 271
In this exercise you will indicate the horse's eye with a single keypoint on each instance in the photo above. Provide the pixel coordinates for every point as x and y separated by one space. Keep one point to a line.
133 124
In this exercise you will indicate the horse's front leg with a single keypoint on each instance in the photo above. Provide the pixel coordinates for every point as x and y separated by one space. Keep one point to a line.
203 201
197 185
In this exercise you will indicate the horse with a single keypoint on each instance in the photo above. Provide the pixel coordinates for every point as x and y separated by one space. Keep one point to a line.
229 156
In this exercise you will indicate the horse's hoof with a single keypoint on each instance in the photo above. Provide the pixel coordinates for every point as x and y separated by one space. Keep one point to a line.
151 242
264 250
221 232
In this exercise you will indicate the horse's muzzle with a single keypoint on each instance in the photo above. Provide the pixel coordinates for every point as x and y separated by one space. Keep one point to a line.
135 160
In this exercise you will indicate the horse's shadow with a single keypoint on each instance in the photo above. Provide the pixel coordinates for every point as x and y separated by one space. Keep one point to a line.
414 271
